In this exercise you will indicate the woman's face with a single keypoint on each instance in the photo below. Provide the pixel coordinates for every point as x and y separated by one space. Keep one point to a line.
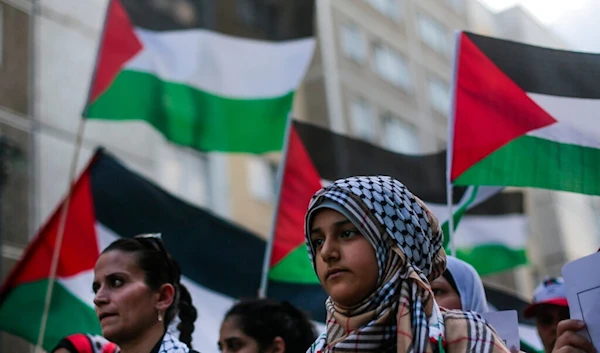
345 260
125 305
445 295
233 339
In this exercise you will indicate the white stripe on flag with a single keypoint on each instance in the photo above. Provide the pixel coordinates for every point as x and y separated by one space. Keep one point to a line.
483 193
577 120
508 230
224 65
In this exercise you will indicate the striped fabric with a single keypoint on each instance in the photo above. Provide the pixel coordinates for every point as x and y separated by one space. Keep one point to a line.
401 314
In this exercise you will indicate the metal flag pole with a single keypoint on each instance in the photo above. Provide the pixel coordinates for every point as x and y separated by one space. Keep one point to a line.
264 280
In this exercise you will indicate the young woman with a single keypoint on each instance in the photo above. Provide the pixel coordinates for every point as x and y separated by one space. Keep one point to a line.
374 247
264 325
138 293
460 287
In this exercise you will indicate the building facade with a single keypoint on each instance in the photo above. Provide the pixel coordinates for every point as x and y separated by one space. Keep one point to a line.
381 72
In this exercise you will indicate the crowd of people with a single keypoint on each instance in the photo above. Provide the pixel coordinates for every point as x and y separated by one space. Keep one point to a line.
378 253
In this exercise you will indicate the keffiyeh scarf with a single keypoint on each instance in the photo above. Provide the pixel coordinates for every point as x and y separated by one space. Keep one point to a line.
170 344
401 315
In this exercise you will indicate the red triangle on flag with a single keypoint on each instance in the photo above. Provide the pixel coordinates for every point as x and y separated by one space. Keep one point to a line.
491 109
79 249
119 44
300 181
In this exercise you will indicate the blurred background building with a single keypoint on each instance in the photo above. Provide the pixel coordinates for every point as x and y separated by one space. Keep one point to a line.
381 72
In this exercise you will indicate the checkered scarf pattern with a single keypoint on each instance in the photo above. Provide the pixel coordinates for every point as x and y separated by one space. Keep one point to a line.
401 315
170 344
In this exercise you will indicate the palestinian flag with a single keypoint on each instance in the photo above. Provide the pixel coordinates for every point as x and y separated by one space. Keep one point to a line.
219 261
205 74
317 155
498 300
492 236
525 116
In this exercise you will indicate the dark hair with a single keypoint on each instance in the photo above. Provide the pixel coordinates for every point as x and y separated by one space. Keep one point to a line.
448 276
265 319
160 268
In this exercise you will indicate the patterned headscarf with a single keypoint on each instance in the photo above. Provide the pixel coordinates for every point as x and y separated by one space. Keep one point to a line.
402 312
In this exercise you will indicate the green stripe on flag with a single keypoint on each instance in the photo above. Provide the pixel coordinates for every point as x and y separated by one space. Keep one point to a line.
21 314
190 117
294 268
492 258
540 163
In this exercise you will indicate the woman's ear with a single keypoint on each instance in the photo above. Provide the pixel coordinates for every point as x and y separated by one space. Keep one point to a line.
277 346
166 295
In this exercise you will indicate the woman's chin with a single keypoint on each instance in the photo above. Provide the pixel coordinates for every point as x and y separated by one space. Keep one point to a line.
344 296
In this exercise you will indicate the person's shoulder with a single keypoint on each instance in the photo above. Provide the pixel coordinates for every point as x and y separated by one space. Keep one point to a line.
466 329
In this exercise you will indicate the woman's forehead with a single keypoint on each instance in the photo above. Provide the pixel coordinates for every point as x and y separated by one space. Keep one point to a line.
117 261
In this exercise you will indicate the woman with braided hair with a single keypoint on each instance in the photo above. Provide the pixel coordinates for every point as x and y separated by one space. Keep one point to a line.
375 247
265 325
137 295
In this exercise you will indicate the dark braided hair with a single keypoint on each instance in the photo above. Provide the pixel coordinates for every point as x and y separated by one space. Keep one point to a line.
187 315
266 319
160 268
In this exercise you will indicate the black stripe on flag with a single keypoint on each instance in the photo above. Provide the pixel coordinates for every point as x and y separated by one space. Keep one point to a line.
501 204
210 251
336 156
308 297
543 70
256 19
503 300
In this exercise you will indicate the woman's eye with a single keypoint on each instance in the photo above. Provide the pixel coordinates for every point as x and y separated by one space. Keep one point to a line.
348 233
117 282
317 243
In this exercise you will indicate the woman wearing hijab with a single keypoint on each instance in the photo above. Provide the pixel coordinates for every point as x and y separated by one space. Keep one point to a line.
460 287
374 247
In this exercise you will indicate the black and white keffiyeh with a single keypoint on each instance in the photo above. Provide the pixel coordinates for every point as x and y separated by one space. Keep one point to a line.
170 344
401 315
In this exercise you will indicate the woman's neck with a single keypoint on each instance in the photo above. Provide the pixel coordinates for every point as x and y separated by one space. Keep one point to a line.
144 342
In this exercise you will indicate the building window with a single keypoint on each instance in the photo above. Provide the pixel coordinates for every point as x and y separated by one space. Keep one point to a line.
391 66
390 8
353 42
361 119
439 95
399 136
262 178
434 34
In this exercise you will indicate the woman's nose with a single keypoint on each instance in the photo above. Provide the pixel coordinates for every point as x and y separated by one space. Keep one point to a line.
330 250
100 298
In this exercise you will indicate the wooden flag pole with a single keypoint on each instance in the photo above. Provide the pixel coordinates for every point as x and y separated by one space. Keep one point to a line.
451 117
65 206
264 280
59 236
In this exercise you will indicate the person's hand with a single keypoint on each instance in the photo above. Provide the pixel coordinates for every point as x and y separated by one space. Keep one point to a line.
569 340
